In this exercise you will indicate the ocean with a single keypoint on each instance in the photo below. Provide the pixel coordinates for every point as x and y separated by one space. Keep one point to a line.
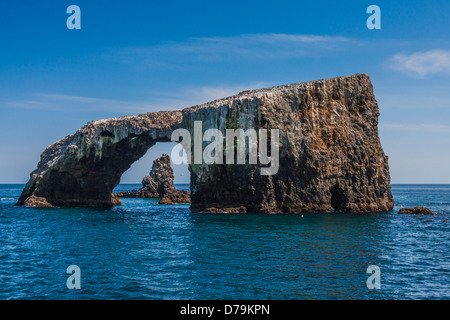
142 250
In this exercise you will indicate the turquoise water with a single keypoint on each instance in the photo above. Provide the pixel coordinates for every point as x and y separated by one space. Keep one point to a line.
142 250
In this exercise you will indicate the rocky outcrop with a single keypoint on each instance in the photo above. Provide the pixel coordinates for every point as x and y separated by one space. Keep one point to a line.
331 157
177 197
416 210
159 184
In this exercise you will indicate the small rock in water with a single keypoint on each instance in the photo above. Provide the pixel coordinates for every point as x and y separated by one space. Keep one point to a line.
416 210
219 209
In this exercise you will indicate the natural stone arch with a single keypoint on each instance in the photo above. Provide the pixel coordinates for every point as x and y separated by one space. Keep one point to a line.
83 169
328 135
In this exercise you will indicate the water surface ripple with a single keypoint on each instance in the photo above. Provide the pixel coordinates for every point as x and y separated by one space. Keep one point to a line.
142 250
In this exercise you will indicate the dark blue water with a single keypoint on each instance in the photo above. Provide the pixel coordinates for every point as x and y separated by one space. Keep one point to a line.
143 250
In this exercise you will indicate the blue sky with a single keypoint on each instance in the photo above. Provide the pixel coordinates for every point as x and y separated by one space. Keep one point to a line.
141 56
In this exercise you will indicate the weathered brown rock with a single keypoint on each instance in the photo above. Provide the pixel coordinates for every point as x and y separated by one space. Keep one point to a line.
177 197
165 200
331 157
416 210
159 184
116 200
37 202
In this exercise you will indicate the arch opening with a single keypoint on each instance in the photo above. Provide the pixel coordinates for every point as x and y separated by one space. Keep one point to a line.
141 167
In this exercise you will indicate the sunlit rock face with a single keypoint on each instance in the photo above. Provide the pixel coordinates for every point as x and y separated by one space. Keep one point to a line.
330 156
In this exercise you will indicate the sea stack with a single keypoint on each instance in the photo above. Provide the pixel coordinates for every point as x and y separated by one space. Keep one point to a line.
159 184
330 156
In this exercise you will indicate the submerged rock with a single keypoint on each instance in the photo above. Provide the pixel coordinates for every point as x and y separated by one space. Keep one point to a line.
159 184
416 210
330 156
222 209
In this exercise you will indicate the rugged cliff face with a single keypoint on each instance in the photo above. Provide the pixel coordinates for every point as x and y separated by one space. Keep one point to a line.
331 158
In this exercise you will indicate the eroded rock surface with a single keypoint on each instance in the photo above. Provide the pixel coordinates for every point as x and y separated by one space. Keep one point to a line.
37 202
331 157
179 196
159 184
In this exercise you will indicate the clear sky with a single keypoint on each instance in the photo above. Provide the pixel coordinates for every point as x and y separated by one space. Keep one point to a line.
139 56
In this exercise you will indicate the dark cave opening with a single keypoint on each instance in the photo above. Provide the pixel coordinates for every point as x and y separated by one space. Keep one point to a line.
338 199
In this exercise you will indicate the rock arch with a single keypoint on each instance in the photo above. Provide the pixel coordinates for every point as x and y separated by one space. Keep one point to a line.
328 135
83 169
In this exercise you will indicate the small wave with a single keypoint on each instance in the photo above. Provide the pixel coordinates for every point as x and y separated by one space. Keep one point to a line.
6 199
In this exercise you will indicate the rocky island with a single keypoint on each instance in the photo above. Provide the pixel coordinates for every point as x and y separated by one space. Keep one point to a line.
330 154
